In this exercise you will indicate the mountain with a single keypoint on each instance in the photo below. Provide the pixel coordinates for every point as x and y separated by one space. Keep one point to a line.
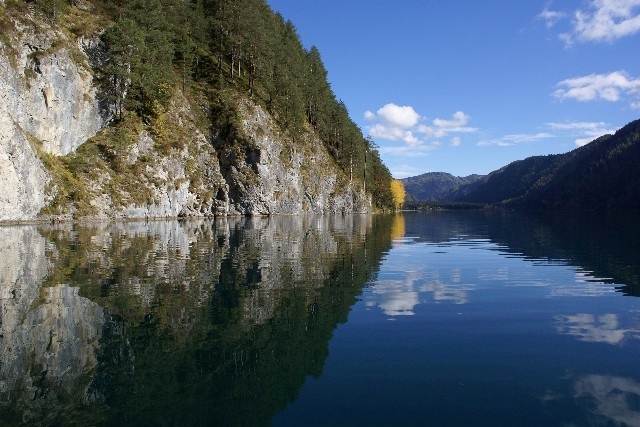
436 186
143 109
601 174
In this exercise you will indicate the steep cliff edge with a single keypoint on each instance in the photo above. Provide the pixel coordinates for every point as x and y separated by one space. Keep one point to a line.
45 96
64 157
281 176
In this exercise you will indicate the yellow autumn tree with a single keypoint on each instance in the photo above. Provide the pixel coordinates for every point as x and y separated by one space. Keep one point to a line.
398 192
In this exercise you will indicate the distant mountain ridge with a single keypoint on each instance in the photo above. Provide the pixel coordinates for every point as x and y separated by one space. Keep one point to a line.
602 174
436 186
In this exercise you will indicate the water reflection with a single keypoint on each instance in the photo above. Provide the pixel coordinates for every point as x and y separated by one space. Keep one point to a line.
602 328
194 322
174 322
603 246
615 398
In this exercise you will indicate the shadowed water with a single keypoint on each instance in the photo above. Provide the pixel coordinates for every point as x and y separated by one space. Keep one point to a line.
452 318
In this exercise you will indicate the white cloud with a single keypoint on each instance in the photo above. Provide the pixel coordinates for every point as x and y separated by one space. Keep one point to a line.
551 17
459 119
397 116
613 397
515 139
583 132
368 115
600 21
419 149
403 124
455 141
579 126
607 20
609 87
391 133
404 171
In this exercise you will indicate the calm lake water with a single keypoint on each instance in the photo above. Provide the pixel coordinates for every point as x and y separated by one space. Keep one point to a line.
450 318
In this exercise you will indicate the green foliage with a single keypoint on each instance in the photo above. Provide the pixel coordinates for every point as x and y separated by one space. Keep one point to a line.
67 185
215 49
226 46
436 186
52 9
140 53
601 174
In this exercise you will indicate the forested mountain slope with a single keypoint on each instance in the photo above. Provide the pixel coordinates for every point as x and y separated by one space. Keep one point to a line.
150 108
601 174
436 186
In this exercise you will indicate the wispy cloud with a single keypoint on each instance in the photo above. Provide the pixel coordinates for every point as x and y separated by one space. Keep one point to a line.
514 139
404 171
551 17
403 124
583 132
605 21
609 87
459 119
599 21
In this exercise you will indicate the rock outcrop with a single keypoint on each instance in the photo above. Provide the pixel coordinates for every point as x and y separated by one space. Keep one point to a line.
50 109
277 176
47 103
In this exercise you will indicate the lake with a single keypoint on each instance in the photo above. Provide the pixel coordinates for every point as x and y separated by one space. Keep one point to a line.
437 318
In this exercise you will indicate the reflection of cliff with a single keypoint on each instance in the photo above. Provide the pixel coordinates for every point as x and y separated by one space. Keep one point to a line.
45 357
183 322
48 335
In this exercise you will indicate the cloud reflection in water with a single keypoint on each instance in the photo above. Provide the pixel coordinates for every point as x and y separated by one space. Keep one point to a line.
604 328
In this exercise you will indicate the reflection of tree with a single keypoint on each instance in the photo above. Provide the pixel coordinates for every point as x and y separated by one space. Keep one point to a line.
202 320
398 227
605 245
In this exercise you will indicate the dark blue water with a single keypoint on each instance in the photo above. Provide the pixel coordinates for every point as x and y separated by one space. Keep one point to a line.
449 318
460 330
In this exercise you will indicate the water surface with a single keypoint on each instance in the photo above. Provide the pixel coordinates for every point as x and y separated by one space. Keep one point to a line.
451 318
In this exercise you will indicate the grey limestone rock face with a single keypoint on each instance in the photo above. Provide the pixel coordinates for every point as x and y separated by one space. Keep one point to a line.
47 102
278 176
23 178
48 95
49 107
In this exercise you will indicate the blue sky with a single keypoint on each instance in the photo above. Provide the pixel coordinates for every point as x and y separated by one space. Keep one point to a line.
467 87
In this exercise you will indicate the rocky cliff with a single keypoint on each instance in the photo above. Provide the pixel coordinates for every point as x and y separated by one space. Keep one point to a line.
46 98
62 157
